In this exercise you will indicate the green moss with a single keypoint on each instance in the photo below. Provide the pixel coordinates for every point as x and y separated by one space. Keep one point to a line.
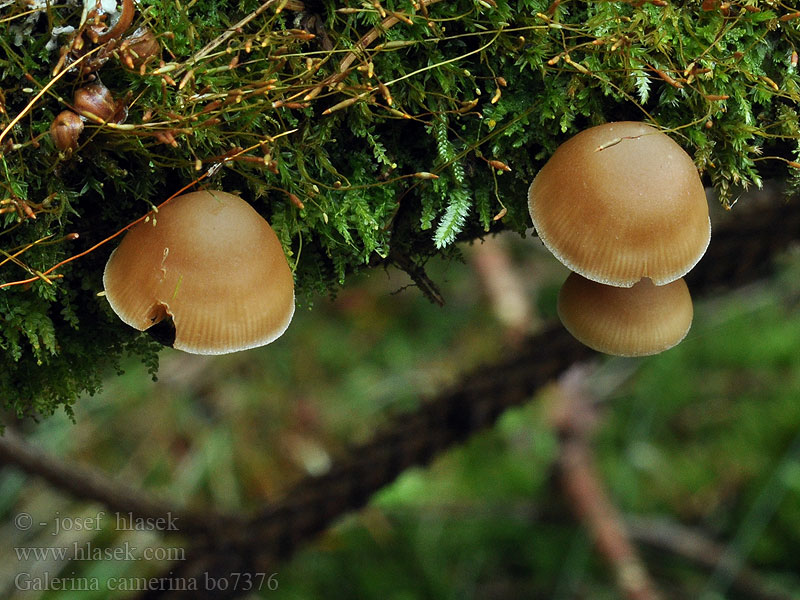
472 81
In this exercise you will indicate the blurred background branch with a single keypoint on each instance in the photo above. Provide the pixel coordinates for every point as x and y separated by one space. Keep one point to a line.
87 483
276 530
574 418
689 543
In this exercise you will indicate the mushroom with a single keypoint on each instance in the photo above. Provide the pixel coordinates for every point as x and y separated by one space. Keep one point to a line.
619 202
637 321
213 266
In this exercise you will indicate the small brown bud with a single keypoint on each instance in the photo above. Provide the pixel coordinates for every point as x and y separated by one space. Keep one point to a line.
499 165
140 47
95 102
65 130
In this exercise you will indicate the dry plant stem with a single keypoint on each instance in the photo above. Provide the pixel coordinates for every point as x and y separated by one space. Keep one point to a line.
122 24
225 36
694 545
425 284
91 484
362 44
585 493
503 287
43 275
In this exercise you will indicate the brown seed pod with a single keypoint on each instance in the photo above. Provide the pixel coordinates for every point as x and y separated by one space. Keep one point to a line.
65 130
139 48
95 102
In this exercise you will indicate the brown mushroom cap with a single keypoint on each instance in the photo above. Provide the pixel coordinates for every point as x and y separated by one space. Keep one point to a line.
619 202
211 263
636 321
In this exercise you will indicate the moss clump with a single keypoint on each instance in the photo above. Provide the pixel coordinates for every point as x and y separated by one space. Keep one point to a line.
365 133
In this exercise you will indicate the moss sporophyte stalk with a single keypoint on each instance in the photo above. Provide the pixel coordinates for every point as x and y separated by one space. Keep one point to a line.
323 116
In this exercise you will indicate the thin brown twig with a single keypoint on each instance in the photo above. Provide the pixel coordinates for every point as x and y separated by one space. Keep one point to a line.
91 484
226 35
503 287
574 419
696 546
363 43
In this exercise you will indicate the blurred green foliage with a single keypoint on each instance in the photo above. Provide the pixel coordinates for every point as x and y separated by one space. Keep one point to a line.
446 89
704 435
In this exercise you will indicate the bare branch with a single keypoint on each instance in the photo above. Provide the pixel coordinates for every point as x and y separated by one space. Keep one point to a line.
573 418
694 545
91 484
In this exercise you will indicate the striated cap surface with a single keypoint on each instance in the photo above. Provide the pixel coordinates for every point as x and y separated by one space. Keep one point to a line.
213 265
640 320
619 202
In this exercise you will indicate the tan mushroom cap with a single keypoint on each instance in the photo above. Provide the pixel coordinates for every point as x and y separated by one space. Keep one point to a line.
619 202
213 265
637 321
